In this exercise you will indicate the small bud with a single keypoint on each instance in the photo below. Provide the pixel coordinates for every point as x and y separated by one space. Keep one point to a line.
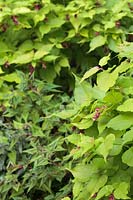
97 33
111 197
44 65
31 69
96 116
94 195
74 128
99 67
4 27
117 24
65 44
37 7
97 109
7 64
15 19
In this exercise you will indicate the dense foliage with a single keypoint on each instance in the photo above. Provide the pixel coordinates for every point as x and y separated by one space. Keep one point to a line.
66 99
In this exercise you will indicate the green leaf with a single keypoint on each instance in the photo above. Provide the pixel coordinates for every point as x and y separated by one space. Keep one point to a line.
84 33
13 77
127 106
39 54
122 191
103 61
121 122
66 198
3 140
20 58
123 67
12 157
36 131
76 23
126 50
77 187
17 125
50 58
1 71
106 146
66 114
113 97
21 10
89 73
4 47
106 80
74 138
81 92
83 124
97 42
64 62
44 29
96 183
128 136
105 191
26 46
127 157
117 147
55 22
109 24
84 172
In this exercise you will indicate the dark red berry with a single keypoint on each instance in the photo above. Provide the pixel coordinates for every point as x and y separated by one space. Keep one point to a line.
37 7
117 24
111 197
74 128
15 19
97 33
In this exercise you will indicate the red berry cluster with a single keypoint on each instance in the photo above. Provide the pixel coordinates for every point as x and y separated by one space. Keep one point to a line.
97 114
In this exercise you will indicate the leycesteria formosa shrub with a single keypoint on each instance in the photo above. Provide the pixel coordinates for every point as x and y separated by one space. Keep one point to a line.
66 99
